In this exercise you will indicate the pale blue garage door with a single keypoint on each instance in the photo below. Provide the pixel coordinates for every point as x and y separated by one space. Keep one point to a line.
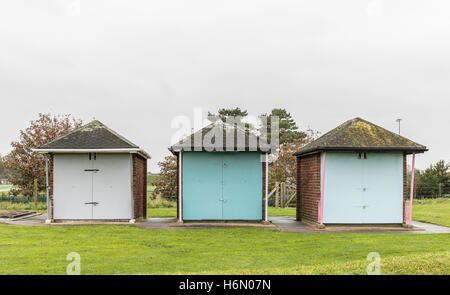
222 186
363 190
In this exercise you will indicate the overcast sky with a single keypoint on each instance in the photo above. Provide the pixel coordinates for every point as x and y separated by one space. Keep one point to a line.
135 65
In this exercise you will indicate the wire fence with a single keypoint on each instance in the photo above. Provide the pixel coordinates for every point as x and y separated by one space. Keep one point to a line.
7 198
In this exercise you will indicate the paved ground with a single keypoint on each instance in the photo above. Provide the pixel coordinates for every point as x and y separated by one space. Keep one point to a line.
288 224
171 223
432 228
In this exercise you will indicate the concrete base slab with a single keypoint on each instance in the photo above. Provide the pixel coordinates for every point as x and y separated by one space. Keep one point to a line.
289 224
13 214
207 224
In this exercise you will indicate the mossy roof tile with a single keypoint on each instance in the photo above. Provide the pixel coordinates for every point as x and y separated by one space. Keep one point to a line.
94 135
360 135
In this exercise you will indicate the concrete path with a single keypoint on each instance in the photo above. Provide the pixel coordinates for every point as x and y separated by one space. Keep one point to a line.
432 228
34 220
288 224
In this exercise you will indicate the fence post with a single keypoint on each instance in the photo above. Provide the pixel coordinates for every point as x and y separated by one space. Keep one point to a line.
35 193
283 194
277 194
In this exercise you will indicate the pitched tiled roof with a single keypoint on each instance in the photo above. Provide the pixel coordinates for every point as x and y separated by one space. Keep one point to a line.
360 135
94 135
239 139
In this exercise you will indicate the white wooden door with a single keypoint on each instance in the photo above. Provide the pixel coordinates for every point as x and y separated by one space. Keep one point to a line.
72 186
112 195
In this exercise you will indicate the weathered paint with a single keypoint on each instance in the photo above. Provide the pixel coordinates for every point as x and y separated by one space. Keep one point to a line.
363 190
110 187
222 186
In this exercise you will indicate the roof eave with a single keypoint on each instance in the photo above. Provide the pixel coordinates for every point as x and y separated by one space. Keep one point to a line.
176 150
94 150
358 149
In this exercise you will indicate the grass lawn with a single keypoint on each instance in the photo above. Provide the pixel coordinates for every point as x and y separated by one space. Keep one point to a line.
435 211
290 212
161 212
42 207
172 212
130 250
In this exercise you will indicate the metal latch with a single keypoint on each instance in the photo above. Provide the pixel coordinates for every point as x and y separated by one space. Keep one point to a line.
91 203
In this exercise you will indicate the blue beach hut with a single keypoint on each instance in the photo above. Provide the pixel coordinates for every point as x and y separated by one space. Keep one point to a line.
222 175
354 174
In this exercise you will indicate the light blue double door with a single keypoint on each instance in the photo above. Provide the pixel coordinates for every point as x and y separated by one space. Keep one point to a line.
363 189
222 186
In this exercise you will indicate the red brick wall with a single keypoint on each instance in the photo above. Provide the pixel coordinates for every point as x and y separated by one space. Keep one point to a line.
139 186
308 187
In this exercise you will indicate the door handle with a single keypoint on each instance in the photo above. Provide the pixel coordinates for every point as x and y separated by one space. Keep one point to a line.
91 170
91 203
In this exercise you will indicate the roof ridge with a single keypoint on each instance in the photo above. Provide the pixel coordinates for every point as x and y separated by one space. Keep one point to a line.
368 136
89 127
227 128
118 135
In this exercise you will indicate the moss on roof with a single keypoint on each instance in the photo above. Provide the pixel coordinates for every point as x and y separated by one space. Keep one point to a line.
358 134
94 135
234 138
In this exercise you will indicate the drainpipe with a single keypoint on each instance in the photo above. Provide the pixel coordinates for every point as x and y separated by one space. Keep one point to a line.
49 217
180 187
412 189
267 188
322 191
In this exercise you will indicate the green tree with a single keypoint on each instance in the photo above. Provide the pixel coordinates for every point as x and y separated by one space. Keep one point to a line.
223 113
166 183
289 131
2 168
433 182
